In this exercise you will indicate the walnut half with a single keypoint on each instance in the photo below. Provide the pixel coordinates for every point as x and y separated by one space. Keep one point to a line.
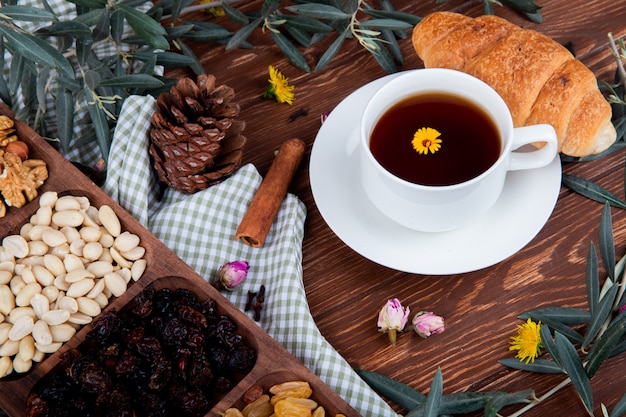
19 180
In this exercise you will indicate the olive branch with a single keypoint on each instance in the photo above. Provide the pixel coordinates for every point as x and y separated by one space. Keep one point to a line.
110 49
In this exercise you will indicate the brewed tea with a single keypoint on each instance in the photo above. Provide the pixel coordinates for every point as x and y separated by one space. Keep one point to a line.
470 141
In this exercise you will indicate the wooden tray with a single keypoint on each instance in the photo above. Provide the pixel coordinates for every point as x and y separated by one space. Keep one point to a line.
274 363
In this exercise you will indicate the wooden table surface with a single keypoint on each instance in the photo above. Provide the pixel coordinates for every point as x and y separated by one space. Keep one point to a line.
346 291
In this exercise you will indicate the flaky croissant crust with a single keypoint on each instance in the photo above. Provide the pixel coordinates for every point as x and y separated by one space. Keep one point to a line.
539 79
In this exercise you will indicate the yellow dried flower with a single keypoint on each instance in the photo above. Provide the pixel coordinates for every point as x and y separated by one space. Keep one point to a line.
426 139
527 343
279 87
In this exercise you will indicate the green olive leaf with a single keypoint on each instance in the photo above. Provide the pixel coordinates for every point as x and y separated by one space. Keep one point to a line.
143 81
65 117
592 190
602 313
290 51
385 24
332 50
433 399
145 27
319 11
396 391
565 315
242 34
497 402
571 363
36 50
607 245
604 346
543 366
100 124
592 279
72 28
27 13
408 18
306 24
234 14
620 407
90 4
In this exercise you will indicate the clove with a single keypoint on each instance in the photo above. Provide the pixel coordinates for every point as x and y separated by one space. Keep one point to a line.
258 303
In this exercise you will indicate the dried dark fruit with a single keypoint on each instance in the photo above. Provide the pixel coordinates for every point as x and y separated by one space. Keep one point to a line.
166 353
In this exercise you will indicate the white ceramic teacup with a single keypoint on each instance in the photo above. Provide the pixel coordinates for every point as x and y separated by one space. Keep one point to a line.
447 207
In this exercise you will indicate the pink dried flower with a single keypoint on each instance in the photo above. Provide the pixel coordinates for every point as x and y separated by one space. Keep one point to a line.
232 274
426 323
392 318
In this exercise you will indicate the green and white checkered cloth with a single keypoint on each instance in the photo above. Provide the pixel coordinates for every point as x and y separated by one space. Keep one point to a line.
200 228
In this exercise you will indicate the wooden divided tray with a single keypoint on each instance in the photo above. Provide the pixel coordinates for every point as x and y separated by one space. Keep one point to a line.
274 364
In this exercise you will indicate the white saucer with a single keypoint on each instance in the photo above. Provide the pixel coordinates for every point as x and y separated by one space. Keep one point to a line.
521 212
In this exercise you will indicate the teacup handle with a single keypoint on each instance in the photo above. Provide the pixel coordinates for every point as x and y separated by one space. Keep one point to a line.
535 158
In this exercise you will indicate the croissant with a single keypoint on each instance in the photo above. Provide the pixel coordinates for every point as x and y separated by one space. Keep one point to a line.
539 79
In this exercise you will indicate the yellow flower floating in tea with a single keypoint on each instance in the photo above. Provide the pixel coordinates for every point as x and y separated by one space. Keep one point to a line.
527 342
426 139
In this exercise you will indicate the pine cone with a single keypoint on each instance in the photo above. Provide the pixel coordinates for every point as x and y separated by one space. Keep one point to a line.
195 139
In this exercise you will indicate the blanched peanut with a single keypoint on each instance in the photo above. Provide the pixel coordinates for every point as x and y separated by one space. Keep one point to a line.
49 198
54 264
53 237
90 233
5 277
44 216
78 275
68 218
23 297
9 348
17 284
67 202
51 348
80 318
7 300
6 366
38 356
41 333
21 327
67 303
43 275
88 306
18 312
109 220
115 283
16 245
51 293
92 251
80 288
72 263
20 366
57 316
100 268
40 304
70 233
37 247
26 349
5 328
138 268
62 332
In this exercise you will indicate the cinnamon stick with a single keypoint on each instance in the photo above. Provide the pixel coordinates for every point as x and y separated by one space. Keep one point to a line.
258 219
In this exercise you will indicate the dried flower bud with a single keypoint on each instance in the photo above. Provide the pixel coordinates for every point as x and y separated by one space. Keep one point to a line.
232 274
392 318
427 323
